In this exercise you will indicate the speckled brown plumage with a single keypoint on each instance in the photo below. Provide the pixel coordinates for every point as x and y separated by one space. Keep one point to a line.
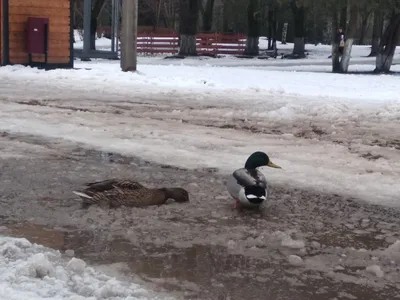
116 193
109 184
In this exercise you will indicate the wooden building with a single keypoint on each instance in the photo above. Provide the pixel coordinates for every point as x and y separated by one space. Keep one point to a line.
23 43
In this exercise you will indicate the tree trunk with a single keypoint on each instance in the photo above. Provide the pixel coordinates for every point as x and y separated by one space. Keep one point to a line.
96 10
345 60
343 16
93 32
253 32
387 45
189 14
274 30
252 46
376 32
270 24
299 46
335 45
364 27
314 32
187 45
208 16
352 29
225 17
298 13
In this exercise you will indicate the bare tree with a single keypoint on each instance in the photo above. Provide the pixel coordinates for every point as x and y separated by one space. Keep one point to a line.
388 45
170 12
335 42
340 63
189 14
343 4
376 31
253 28
207 11
272 22
352 29
299 18
365 15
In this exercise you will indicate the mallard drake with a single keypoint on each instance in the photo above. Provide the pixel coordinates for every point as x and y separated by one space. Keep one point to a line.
115 193
248 185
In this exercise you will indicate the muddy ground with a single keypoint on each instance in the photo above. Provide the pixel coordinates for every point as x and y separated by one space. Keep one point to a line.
203 249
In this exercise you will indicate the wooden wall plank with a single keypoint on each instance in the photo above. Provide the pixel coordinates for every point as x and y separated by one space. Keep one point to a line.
53 36
24 18
20 55
23 59
39 11
61 48
53 49
41 3
21 27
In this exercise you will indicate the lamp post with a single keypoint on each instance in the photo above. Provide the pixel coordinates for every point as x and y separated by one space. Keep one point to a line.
129 35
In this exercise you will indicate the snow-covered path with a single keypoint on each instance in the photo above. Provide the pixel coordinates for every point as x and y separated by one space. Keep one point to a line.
332 144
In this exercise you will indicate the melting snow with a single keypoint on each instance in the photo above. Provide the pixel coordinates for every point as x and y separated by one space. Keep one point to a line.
288 242
375 270
295 260
30 271
350 108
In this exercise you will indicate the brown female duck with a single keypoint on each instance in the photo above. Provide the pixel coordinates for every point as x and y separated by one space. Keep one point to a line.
115 193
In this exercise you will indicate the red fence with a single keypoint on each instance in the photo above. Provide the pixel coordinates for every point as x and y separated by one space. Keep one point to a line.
155 43
164 42
218 43
206 44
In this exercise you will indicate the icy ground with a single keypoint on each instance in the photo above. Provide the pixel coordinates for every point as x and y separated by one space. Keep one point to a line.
336 137
329 132
204 248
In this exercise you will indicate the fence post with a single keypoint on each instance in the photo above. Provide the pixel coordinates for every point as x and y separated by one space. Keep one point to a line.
217 41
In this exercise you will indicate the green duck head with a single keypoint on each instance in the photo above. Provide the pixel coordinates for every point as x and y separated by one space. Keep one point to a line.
259 159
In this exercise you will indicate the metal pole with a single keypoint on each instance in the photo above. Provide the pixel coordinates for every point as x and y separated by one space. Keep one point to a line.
117 17
129 35
87 11
113 26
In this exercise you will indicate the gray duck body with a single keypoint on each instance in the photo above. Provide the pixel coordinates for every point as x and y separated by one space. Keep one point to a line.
248 186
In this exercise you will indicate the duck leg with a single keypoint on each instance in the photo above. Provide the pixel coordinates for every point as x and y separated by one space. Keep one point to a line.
236 204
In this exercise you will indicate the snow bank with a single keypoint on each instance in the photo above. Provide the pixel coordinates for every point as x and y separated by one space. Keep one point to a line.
30 271
163 78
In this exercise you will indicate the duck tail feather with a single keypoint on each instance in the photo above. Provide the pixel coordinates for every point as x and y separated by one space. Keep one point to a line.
81 194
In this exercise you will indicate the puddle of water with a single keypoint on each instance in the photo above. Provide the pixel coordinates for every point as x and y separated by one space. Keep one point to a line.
210 272
344 238
38 234
201 271
105 157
